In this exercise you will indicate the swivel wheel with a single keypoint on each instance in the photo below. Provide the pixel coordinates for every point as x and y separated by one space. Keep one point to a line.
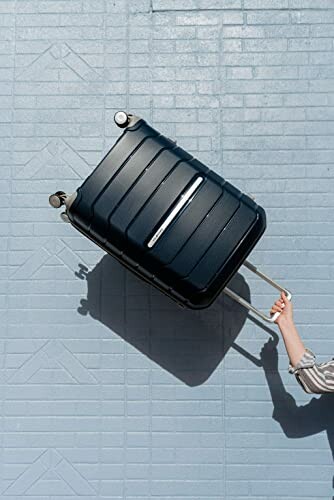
57 199
121 118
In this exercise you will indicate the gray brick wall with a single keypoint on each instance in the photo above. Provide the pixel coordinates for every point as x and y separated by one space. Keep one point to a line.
108 390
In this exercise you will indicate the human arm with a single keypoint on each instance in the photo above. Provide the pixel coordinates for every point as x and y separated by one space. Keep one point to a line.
293 343
312 376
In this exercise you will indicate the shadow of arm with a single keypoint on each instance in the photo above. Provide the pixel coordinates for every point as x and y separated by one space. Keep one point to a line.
296 421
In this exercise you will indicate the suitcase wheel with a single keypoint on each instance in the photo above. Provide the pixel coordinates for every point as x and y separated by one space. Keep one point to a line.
121 118
64 217
57 199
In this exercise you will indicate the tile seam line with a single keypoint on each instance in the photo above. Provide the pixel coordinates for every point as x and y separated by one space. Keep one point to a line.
245 9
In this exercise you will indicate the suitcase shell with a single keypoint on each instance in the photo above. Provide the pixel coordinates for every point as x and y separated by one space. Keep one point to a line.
166 216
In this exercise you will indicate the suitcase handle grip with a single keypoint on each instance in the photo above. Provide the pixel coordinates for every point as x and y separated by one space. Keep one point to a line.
243 302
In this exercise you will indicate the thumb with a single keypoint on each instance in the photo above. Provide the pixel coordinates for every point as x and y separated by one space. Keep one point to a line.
284 298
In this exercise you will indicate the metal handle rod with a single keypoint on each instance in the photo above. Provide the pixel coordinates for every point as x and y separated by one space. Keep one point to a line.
249 306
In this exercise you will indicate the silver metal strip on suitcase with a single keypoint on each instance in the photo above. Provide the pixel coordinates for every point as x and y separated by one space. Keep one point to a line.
185 197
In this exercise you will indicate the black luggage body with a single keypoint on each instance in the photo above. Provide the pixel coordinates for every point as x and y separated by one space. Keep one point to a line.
165 215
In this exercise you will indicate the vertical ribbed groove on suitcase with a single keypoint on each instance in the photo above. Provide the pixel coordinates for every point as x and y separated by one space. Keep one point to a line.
198 244
135 182
202 267
102 225
151 196
137 197
131 139
112 178
91 187
163 246
230 256
160 203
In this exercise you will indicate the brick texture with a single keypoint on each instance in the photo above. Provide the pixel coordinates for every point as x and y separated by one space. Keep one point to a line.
108 389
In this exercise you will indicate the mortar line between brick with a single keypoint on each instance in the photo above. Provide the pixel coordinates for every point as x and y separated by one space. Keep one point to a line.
11 172
248 9
101 440
221 314
126 423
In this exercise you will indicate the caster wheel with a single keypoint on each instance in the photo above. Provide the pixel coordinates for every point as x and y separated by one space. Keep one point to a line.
121 119
56 200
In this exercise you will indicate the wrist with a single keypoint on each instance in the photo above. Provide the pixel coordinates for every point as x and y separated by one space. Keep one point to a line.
285 324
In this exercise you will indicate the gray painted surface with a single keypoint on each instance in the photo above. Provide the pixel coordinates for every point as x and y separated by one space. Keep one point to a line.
108 389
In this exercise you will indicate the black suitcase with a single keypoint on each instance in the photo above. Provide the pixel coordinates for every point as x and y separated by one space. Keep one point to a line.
166 216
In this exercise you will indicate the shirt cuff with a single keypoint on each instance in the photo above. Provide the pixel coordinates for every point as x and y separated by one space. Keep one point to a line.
307 360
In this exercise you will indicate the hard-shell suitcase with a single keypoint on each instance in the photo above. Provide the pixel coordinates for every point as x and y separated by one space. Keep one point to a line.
167 217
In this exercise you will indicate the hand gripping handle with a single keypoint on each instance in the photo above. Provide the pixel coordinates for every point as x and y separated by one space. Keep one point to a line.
249 306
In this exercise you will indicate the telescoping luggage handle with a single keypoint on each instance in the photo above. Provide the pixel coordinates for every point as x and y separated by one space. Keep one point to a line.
249 306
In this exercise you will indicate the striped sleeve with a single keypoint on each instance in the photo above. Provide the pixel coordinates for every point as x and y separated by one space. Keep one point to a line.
315 378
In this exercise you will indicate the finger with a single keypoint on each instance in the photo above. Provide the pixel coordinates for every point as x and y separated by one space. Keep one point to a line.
284 298
276 308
